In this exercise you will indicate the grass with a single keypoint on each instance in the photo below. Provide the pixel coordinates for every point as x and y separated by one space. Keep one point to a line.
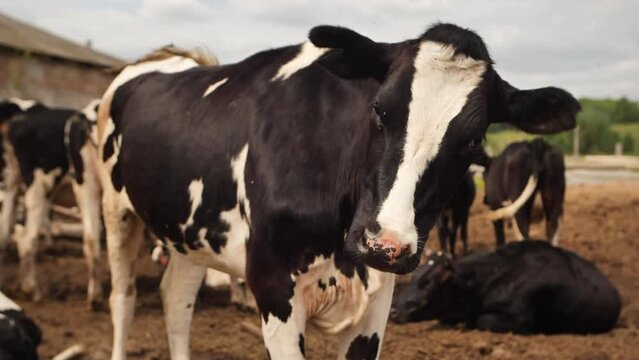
497 141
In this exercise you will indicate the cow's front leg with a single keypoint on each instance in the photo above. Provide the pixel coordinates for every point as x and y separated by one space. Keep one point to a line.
363 341
180 283
282 309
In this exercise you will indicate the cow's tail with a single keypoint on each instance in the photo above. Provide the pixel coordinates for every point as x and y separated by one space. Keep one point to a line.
511 209
73 352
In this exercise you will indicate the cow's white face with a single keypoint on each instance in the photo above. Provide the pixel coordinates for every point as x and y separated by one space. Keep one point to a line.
440 88
437 96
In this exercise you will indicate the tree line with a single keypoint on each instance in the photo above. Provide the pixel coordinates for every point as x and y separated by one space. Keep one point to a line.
602 124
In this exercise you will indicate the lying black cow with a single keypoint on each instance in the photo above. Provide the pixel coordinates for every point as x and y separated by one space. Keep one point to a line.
455 217
514 178
40 147
524 287
19 335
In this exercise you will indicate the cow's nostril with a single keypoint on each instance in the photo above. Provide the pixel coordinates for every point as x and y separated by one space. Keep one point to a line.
369 235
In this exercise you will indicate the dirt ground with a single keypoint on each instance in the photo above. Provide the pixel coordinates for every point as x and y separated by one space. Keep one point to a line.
601 223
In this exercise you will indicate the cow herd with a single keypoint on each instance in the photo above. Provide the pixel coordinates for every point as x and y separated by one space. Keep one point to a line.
315 172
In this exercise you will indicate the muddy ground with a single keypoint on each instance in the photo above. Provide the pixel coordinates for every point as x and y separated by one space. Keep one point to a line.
601 223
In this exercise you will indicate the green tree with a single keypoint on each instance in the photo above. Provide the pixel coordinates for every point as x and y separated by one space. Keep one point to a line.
625 111
628 144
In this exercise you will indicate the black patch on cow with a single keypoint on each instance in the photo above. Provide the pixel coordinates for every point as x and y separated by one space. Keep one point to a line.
363 348
332 281
242 209
19 336
465 41
301 345
321 284
116 177
38 141
77 138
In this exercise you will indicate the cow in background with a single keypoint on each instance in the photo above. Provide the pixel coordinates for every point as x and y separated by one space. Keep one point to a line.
514 178
43 146
455 217
523 287
314 171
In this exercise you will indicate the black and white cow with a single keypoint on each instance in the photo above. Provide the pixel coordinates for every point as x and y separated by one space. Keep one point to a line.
515 177
40 146
524 287
454 218
19 335
305 169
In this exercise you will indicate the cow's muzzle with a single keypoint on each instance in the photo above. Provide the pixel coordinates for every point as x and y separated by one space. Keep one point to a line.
383 251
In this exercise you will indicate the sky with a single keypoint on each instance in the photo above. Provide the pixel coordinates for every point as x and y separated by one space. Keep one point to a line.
589 47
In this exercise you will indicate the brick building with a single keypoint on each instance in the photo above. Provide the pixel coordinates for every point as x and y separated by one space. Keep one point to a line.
35 64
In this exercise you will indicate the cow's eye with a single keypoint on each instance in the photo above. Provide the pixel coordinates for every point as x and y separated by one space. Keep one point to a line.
378 118
474 142
377 108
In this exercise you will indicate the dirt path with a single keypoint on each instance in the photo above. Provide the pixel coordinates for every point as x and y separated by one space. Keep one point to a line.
601 223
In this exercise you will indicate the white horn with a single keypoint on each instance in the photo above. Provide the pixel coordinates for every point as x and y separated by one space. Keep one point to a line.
511 210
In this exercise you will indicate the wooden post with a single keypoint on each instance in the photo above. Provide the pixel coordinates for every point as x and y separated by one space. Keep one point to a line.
575 141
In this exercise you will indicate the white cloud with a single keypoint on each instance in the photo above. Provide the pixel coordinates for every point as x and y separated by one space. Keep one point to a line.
590 47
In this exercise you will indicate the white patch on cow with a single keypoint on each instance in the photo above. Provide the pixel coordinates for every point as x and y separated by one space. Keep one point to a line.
196 187
232 256
170 65
555 236
307 55
440 88
24 105
239 228
90 111
216 278
8 304
430 262
216 85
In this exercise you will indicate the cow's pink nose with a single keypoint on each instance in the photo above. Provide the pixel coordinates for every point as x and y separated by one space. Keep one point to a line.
386 242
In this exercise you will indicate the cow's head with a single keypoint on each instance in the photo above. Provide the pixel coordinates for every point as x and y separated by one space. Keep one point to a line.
437 96
429 294
8 109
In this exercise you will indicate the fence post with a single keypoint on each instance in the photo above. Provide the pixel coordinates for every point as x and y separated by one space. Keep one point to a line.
575 141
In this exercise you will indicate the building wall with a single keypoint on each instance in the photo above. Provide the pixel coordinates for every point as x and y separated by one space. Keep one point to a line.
52 81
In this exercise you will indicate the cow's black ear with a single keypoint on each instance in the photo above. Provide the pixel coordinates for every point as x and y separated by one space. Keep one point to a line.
353 55
540 111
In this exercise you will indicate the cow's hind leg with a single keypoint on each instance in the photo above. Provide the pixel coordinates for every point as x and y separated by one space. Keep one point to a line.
364 340
37 209
124 232
8 216
87 196
180 283
442 230
500 236
464 233
552 196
